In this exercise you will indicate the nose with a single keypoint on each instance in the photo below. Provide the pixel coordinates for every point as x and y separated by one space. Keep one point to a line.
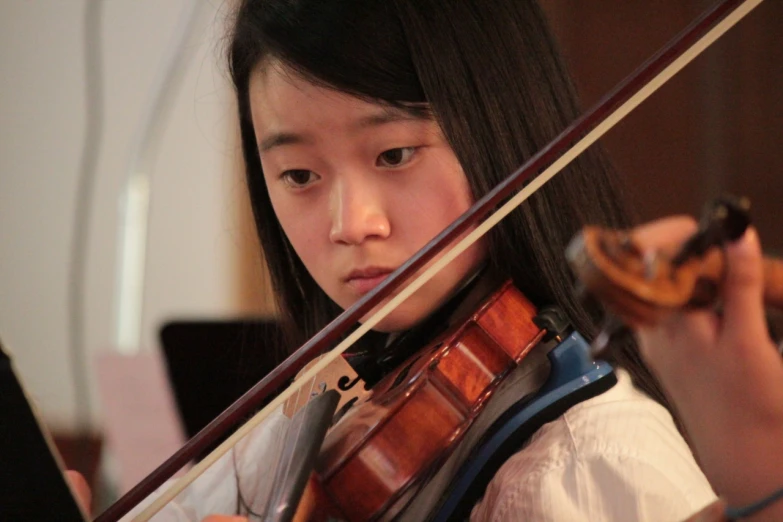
357 213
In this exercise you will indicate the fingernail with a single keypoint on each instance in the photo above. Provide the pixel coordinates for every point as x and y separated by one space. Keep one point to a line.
748 241
752 236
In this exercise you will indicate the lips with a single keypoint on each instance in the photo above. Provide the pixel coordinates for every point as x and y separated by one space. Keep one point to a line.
365 279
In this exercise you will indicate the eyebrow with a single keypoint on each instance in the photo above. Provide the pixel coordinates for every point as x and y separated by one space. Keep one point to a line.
385 116
378 119
279 139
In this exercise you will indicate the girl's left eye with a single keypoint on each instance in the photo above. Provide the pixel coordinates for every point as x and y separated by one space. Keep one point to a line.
395 157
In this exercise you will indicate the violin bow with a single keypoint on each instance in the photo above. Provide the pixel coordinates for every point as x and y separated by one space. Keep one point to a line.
550 160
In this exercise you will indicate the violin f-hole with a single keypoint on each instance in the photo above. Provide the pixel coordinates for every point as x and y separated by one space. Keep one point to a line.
345 383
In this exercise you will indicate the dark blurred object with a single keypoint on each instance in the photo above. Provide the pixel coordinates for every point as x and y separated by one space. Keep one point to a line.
211 363
32 484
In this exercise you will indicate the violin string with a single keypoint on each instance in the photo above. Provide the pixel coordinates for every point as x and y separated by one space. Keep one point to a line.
588 139
300 426
293 406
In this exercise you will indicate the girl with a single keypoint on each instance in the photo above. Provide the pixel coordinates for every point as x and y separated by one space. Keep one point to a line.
368 126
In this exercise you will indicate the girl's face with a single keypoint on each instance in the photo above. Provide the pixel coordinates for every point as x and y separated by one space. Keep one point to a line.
358 188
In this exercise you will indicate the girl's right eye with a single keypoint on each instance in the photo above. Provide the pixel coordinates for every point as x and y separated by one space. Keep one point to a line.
298 178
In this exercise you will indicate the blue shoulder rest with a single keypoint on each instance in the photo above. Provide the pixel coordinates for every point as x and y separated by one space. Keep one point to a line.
574 377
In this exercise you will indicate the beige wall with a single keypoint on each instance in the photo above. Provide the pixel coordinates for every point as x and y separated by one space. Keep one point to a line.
196 240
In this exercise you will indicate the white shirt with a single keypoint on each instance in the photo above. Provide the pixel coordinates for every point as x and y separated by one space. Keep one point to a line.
252 461
615 457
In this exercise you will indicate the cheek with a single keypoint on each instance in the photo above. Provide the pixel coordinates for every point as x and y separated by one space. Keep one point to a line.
449 186
447 198
456 201
438 203
300 224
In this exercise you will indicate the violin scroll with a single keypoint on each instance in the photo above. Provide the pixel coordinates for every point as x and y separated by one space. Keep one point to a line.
640 286
636 286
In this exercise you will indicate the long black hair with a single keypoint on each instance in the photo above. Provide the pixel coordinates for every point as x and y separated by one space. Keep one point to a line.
491 75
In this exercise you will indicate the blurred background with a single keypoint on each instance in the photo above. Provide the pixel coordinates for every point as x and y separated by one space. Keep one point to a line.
102 100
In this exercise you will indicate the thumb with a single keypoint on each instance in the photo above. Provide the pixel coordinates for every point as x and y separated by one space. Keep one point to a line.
80 489
743 288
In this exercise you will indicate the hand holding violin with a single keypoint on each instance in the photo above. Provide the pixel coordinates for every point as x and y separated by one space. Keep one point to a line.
724 374
721 370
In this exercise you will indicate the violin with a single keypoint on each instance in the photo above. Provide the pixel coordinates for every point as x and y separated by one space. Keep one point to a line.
507 196
429 402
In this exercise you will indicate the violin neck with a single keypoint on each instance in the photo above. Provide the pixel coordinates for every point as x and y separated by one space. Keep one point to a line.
714 266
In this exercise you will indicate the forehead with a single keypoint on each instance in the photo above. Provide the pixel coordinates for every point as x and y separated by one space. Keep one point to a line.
283 101
278 96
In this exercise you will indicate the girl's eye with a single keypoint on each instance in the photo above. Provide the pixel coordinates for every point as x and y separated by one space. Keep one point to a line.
395 157
298 178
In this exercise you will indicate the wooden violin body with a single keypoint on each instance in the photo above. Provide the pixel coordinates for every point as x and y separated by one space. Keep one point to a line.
375 458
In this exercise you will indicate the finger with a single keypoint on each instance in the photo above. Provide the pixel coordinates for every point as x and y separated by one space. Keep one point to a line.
678 344
667 232
80 488
743 308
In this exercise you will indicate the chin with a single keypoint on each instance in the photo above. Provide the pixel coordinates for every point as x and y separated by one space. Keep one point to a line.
403 318
408 314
